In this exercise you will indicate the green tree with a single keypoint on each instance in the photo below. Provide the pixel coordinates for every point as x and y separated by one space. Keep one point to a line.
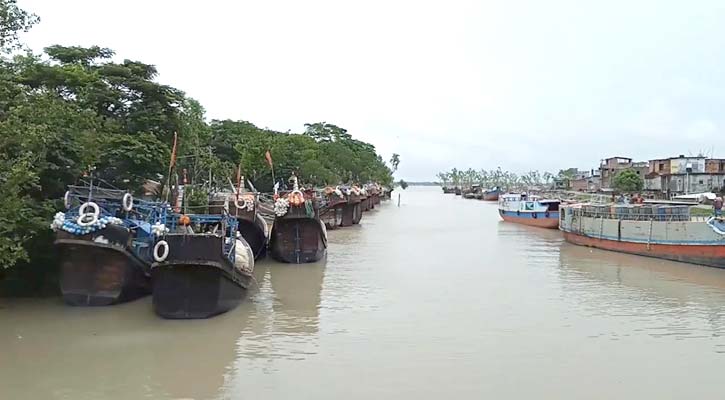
13 20
395 161
628 181
403 184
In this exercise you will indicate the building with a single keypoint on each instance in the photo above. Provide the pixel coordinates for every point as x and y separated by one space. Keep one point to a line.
610 167
683 175
586 181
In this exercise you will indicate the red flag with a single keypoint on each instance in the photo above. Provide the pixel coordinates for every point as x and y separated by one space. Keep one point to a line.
268 156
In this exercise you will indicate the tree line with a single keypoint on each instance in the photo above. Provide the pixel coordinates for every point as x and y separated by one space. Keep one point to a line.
72 111
496 178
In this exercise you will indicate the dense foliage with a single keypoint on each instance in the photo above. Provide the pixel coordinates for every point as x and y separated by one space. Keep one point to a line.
627 181
73 110
495 178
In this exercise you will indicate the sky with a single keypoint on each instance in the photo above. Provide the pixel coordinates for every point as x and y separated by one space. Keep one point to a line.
524 85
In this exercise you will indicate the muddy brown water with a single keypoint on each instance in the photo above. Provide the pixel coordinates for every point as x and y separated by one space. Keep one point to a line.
435 299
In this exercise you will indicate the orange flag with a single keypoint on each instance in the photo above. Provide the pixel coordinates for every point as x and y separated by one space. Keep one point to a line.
268 156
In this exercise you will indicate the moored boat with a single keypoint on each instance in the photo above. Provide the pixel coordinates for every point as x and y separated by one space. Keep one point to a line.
529 210
491 194
202 267
667 232
104 240
352 212
331 213
298 235
251 225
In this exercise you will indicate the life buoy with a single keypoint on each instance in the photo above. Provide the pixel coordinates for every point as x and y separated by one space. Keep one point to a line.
164 246
66 200
83 217
296 198
534 215
127 202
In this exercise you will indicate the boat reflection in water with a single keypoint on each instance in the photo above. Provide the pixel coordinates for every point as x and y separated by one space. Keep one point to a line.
666 297
287 309
129 353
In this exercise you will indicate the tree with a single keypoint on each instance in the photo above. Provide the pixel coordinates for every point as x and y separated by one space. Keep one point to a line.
13 20
403 184
628 181
395 161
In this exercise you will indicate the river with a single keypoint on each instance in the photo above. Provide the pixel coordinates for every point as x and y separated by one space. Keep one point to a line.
434 299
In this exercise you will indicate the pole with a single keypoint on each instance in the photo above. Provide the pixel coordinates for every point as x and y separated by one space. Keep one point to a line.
398 199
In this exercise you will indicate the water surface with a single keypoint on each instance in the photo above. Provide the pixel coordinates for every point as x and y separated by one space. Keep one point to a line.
435 299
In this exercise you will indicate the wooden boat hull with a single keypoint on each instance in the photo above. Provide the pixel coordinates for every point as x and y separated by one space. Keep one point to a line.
490 196
351 214
540 220
194 291
297 240
255 233
98 269
708 255
357 214
196 280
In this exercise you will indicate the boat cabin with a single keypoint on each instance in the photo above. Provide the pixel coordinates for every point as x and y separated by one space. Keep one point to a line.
523 202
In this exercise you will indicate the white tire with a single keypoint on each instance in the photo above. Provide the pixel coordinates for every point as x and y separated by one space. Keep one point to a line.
127 202
164 246
83 215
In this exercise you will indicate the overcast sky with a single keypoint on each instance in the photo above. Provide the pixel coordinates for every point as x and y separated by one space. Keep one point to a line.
518 84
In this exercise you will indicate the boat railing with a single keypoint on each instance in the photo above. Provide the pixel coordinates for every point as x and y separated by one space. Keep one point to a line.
623 214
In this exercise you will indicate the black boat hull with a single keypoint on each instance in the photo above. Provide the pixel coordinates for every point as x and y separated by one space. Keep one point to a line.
95 273
196 280
297 240
255 234
194 291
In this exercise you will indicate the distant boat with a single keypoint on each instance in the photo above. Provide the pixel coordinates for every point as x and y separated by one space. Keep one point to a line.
529 210
660 231
491 194
105 240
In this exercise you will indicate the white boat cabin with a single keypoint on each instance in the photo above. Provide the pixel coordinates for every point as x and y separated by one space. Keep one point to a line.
522 202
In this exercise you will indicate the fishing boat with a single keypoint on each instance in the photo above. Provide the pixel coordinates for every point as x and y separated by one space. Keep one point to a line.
529 210
202 266
448 190
457 191
104 240
353 211
298 235
474 192
331 212
246 208
364 203
491 194
660 231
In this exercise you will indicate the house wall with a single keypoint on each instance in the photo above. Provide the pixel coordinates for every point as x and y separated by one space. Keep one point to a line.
695 183
715 165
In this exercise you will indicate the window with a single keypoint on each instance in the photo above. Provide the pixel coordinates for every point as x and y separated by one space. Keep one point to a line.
662 166
701 182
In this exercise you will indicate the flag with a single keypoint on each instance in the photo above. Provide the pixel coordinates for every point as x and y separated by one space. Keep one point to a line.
268 156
